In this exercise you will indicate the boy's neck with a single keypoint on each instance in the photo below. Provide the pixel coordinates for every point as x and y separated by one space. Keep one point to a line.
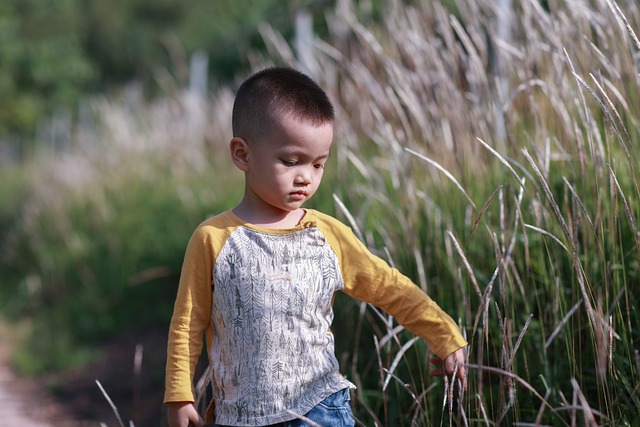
280 219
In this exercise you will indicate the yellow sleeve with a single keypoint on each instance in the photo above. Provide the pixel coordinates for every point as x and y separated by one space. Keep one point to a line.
370 279
191 317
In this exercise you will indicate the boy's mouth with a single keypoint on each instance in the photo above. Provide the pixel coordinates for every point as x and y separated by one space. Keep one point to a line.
298 194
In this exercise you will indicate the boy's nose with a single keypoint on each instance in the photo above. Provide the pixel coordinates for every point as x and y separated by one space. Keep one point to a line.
303 176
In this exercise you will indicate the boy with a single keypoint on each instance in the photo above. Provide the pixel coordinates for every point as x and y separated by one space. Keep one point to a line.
259 280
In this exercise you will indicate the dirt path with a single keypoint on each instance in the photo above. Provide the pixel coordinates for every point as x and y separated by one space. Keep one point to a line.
19 400
78 401
26 402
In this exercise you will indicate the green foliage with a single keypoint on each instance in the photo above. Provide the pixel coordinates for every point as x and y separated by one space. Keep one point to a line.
81 280
54 340
53 53
14 186
42 60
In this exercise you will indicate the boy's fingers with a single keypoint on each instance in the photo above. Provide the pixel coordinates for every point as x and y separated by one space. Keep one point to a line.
449 365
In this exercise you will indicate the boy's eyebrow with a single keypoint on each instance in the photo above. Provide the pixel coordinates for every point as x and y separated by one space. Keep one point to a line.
295 152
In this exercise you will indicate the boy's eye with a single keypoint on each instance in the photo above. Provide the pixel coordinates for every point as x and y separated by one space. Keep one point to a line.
319 166
289 163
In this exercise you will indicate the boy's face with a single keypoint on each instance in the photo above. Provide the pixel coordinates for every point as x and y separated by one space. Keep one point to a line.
285 165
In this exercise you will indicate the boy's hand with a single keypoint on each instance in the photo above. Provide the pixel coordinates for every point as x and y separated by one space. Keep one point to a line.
457 357
183 414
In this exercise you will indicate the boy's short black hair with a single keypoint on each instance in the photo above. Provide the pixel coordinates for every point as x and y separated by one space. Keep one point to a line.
276 92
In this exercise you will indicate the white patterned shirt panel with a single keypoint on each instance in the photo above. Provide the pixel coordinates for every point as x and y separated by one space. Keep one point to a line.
272 351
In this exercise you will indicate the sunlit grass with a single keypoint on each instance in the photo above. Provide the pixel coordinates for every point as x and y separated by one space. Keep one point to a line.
527 236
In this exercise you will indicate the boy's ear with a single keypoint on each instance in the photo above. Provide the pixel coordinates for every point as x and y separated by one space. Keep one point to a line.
239 153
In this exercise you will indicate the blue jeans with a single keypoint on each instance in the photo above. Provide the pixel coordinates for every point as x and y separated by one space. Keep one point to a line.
333 411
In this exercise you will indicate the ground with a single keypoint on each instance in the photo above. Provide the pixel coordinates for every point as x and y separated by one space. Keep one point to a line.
24 402
73 399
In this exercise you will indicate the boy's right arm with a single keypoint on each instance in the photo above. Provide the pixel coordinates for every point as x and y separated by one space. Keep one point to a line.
183 414
191 316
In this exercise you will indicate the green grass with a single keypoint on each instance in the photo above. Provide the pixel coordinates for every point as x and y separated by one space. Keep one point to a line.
535 253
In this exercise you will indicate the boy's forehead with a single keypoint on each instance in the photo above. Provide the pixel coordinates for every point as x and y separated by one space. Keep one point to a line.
300 136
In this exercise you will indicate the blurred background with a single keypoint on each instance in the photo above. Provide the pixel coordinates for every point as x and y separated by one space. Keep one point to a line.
486 148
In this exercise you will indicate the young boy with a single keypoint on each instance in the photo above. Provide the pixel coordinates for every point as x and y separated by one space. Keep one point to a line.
259 280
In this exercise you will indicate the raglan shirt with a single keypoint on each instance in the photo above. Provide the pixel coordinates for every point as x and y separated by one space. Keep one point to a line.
263 299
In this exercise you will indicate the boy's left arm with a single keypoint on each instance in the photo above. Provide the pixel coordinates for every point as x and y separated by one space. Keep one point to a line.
413 309
369 278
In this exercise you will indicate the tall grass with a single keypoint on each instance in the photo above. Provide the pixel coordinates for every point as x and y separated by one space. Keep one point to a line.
500 174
